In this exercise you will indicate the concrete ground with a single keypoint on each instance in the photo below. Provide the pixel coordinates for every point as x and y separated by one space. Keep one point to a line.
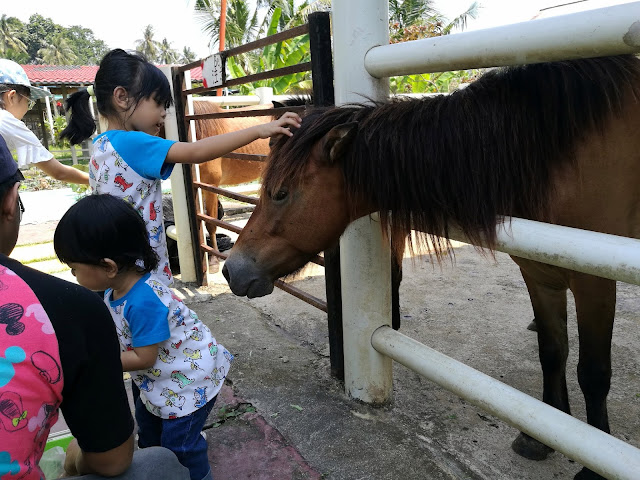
282 415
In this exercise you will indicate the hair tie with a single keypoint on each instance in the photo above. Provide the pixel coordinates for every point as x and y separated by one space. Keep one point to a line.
90 91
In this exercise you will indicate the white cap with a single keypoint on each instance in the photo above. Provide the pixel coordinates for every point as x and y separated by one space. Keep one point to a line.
12 73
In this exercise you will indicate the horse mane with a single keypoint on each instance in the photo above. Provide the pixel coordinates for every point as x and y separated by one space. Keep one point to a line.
466 158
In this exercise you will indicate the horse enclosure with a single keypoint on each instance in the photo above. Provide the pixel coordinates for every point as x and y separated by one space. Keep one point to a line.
187 120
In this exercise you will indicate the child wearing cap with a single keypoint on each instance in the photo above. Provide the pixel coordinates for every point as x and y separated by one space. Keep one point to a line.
16 98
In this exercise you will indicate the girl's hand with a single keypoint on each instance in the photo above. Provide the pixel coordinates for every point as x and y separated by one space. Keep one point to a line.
278 127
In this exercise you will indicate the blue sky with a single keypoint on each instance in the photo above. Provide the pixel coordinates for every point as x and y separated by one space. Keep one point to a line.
121 22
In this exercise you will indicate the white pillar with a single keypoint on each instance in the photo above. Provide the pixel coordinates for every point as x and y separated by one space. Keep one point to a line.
359 25
265 94
49 116
179 196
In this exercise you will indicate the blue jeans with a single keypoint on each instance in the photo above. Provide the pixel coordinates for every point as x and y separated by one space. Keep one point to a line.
180 435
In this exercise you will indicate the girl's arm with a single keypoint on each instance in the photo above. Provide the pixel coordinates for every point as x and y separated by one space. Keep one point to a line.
214 147
139 358
62 172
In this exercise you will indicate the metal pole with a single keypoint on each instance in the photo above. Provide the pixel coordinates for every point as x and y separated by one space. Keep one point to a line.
222 32
365 258
591 447
594 33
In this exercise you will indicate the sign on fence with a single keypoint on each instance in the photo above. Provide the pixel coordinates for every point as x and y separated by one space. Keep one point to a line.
213 71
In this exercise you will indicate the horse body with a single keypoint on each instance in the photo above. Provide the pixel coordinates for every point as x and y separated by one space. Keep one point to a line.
554 142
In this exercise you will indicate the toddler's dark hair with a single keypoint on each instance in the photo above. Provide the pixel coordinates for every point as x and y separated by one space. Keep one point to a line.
118 68
103 226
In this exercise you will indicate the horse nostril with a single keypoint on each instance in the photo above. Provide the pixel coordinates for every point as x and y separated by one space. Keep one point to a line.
225 272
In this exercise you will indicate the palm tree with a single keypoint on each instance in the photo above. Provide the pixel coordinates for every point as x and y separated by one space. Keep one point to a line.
241 26
166 54
57 52
8 37
147 45
187 55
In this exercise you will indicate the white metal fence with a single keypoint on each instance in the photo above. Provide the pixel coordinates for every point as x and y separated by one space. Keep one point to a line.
360 29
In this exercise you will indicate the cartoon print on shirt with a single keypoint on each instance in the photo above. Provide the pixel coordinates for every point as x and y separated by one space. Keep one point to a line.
192 356
121 183
12 415
124 332
119 162
43 419
165 356
181 379
200 397
155 233
144 189
144 383
194 334
10 315
176 345
102 143
92 176
213 349
7 465
12 354
129 199
173 399
156 372
166 270
95 165
48 367
103 176
140 211
153 211
157 287
178 317
151 408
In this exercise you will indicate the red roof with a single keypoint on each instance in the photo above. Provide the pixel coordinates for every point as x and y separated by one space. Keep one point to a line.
72 74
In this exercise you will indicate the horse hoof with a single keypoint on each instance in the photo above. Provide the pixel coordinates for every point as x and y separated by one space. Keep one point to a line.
586 474
533 326
214 265
530 448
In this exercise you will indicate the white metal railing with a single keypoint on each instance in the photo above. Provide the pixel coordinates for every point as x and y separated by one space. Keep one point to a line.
359 28
594 33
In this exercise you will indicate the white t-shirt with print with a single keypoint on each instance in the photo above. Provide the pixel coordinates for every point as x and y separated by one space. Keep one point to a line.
191 366
131 166
28 148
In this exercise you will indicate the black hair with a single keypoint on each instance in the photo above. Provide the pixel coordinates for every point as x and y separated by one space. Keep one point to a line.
9 183
104 226
6 87
118 68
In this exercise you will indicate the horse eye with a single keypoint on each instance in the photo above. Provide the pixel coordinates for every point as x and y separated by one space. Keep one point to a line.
280 195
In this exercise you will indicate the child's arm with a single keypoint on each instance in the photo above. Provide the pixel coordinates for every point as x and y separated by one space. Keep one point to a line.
62 172
139 358
214 147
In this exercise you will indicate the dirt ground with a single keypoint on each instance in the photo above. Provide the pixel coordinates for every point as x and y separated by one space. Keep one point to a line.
475 311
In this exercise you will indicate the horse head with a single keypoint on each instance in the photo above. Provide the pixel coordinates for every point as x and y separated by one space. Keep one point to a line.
302 210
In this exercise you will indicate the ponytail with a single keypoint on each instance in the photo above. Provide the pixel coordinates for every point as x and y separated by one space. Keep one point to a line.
81 123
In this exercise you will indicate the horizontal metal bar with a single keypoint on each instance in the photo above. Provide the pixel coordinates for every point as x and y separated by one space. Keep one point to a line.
278 72
218 223
270 112
226 193
606 31
587 445
599 254
270 40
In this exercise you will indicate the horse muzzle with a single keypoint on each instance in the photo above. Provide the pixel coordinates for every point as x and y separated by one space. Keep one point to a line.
245 278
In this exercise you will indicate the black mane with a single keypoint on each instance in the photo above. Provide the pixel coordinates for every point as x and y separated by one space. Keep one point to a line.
487 150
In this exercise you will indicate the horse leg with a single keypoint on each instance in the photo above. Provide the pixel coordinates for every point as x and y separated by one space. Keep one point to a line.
595 307
549 302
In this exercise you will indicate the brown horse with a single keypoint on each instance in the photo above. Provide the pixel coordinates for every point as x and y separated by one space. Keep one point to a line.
556 142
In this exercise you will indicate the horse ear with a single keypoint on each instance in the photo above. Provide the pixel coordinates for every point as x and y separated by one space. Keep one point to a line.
277 104
338 141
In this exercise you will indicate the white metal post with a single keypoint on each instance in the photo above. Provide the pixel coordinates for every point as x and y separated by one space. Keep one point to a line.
179 197
265 94
359 25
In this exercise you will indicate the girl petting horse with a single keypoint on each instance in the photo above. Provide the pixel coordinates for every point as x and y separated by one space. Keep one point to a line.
129 160
555 142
